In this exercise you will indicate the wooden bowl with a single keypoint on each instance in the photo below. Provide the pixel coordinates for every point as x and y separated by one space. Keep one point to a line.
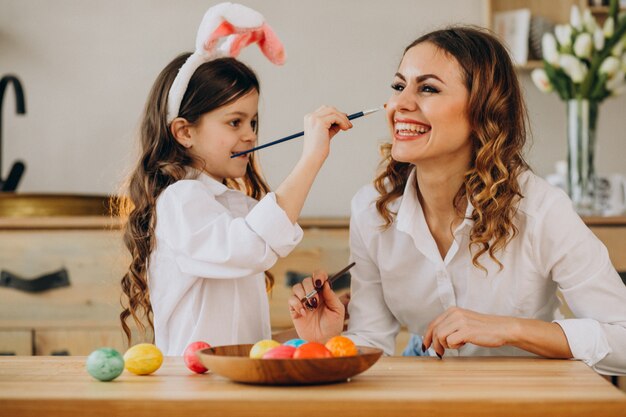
233 363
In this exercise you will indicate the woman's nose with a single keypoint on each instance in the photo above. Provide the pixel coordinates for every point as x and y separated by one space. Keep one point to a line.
405 101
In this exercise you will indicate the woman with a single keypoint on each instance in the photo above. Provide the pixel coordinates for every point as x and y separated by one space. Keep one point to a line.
457 239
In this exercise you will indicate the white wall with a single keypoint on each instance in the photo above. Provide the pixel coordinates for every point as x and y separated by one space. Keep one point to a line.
87 67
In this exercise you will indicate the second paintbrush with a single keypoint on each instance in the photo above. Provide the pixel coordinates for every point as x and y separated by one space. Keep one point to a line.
296 135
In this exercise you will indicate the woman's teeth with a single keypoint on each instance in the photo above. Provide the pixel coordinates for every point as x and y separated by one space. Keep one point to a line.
410 129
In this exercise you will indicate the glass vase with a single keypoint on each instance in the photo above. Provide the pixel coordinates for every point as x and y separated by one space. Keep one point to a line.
582 118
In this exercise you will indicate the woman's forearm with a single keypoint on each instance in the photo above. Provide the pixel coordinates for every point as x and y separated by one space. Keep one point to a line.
541 338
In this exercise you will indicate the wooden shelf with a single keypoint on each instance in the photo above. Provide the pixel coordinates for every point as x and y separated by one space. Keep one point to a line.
530 65
557 11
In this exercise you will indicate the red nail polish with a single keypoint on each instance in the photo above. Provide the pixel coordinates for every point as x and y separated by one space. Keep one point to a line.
440 356
423 348
318 283
313 302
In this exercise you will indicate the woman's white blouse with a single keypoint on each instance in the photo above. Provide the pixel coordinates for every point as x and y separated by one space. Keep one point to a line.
206 272
400 278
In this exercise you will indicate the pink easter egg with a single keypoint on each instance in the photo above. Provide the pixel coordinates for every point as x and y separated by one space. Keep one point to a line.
191 359
280 352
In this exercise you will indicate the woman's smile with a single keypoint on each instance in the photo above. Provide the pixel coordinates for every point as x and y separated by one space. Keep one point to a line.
407 129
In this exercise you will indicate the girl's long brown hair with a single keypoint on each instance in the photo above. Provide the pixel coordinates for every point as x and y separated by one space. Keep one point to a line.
498 120
164 161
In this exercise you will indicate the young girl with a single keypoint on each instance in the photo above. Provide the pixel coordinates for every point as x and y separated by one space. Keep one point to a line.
204 226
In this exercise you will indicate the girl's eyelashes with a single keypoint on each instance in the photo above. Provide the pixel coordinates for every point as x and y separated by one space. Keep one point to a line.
236 123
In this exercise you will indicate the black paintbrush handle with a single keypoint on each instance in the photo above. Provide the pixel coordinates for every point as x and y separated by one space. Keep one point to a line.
295 135
330 281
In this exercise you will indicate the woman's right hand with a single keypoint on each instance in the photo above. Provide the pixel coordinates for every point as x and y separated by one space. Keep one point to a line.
324 315
319 128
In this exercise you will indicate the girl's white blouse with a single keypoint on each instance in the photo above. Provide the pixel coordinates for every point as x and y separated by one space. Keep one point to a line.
400 279
206 272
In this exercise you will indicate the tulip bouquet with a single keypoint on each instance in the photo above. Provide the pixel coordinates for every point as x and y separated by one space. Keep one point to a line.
584 63
583 59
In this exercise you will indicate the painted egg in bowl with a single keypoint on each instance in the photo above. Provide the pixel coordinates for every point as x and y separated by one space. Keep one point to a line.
233 362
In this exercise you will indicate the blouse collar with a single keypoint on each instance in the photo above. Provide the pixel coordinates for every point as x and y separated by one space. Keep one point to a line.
411 213
216 187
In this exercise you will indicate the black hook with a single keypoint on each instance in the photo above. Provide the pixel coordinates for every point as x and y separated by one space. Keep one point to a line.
17 170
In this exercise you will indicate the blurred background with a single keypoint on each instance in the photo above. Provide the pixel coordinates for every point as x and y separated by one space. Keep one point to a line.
86 68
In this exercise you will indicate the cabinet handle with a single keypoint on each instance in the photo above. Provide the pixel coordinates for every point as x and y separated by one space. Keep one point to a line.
42 283
63 352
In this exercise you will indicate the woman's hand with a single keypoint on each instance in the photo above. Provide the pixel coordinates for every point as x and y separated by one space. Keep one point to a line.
319 128
322 317
457 326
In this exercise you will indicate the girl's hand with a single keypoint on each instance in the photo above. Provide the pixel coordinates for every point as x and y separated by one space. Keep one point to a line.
319 128
323 316
456 327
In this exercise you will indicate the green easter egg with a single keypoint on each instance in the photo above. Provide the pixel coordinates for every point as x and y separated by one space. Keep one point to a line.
105 364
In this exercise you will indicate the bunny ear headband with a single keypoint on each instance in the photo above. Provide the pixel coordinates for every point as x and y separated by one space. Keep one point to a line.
236 26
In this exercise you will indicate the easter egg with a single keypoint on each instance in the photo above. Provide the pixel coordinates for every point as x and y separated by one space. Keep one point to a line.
143 359
105 364
262 346
280 352
191 359
341 346
295 342
312 350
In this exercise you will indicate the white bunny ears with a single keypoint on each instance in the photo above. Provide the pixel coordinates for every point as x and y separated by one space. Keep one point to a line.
236 26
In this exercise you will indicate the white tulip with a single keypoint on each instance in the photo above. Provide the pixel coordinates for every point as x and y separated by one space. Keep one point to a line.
548 47
598 39
609 66
609 27
563 34
583 45
574 18
573 67
589 21
616 81
618 48
541 80
619 91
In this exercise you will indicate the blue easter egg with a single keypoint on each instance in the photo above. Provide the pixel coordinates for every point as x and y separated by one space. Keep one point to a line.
295 342
105 364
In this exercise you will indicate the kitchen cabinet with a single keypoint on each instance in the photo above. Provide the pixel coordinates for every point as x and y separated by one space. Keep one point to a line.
556 11
83 316
76 316
16 342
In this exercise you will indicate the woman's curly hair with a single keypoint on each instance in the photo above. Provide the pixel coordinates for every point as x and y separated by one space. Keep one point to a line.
498 122
163 161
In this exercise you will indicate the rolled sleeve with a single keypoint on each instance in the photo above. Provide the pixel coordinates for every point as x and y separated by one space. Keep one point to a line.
586 339
580 265
207 240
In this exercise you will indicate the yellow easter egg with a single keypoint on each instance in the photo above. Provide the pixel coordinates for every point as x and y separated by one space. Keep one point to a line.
262 346
143 359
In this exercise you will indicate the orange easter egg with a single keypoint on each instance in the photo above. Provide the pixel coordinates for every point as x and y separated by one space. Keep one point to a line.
312 350
341 346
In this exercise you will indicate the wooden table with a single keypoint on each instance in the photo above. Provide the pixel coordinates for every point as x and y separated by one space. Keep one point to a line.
60 386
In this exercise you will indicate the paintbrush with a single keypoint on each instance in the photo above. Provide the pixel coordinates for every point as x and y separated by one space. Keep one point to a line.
297 135
332 279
